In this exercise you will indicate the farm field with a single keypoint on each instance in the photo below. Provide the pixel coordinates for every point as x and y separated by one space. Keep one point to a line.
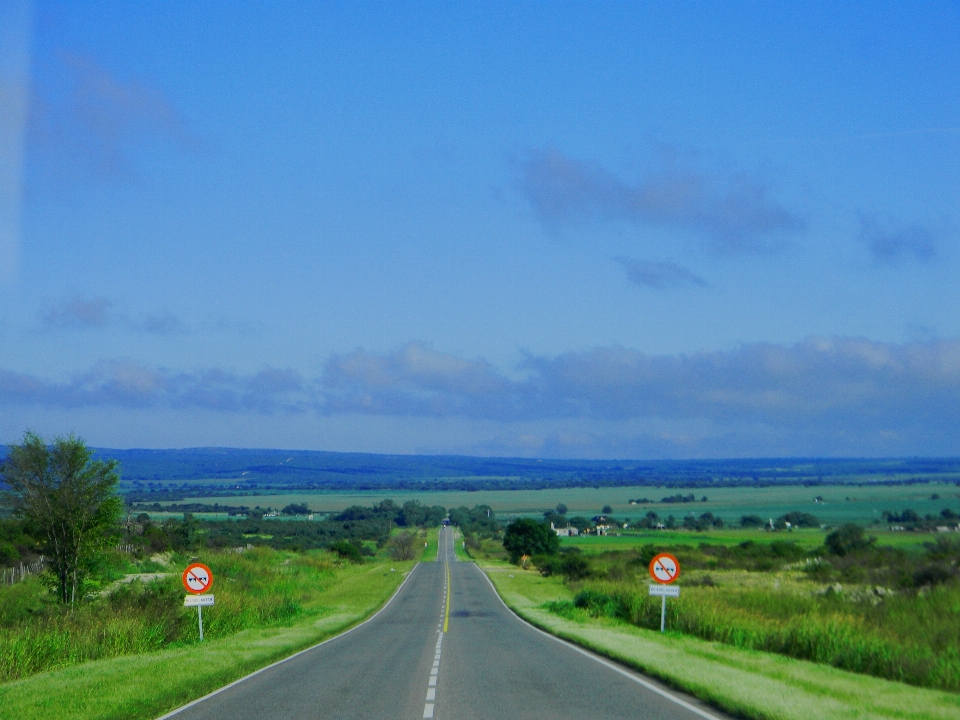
841 503
806 539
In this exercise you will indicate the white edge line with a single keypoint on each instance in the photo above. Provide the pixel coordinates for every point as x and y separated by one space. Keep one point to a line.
597 658
290 657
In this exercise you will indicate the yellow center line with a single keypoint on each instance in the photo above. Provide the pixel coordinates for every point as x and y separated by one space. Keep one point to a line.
446 614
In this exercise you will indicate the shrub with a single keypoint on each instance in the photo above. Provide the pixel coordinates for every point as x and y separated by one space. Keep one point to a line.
347 550
848 539
403 546
572 565
933 574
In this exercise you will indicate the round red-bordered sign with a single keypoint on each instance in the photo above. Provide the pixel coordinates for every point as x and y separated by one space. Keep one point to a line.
197 578
664 568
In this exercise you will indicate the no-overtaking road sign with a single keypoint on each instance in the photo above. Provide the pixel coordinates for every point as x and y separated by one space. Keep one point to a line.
664 568
197 578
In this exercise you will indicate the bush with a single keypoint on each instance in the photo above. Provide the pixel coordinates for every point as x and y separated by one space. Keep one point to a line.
403 546
572 565
347 550
933 574
848 539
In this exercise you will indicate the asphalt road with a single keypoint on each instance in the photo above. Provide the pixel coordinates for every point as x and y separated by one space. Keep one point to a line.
419 658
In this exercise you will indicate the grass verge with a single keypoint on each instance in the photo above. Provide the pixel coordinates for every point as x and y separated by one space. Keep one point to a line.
748 683
433 544
150 684
458 548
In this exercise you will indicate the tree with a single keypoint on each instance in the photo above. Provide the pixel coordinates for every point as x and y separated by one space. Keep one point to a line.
607 510
403 546
561 509
529 537
67 500
295 509
848 539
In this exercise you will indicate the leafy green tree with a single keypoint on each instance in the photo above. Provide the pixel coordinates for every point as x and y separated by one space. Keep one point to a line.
798 519
296 509
68 502
848 539
529 537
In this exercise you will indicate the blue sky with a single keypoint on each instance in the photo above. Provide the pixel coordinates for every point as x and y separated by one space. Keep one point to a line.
575 230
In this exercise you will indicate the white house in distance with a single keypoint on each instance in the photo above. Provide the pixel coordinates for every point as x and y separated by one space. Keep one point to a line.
565 532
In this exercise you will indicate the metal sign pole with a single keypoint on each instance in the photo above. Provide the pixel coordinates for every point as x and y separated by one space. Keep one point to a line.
200 619
663 615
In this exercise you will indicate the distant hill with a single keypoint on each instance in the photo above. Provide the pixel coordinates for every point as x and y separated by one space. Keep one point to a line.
198 472
170 474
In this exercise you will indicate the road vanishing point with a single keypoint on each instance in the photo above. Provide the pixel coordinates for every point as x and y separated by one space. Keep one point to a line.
445 647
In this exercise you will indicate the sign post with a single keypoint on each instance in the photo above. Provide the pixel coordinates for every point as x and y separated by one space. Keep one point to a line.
197 579
664 569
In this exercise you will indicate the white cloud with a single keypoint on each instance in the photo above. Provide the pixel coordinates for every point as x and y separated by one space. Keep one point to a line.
734 211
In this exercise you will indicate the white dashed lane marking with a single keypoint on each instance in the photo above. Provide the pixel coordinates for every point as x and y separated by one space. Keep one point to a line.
429 706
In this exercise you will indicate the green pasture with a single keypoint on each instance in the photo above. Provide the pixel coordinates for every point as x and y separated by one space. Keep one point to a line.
807 539
841 503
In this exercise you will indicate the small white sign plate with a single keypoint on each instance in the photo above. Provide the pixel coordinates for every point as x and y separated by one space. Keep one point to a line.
659 590
197 600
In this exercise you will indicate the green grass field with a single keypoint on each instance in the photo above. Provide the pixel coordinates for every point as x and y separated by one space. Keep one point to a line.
747 683
843 503
807 539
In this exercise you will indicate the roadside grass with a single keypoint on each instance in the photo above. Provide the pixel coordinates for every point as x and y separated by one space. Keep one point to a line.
904 638
458 548
748 683
143 681
432 546
257 588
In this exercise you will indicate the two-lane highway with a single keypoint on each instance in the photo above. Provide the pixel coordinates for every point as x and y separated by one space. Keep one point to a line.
447 654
